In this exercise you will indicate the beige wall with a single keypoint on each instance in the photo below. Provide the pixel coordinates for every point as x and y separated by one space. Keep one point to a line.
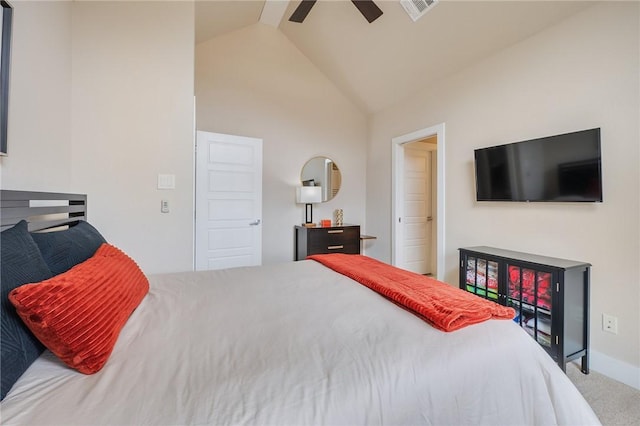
132 109
39 98
101 102
580 74
254 82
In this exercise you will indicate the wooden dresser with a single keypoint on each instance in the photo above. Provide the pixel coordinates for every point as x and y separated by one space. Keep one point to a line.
322 240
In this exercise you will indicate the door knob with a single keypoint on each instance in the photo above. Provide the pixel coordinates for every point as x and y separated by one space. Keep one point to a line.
255 223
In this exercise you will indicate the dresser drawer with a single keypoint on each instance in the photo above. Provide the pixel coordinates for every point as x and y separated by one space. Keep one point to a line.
332 238
336 239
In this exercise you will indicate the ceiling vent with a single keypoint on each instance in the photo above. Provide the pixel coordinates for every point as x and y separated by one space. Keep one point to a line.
417 8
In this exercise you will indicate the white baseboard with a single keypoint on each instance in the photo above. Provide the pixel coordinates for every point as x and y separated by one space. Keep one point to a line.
615 369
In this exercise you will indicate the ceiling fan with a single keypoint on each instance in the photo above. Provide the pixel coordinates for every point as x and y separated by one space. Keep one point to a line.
368 8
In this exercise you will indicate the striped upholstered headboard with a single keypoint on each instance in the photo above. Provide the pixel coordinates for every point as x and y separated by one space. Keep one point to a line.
42 210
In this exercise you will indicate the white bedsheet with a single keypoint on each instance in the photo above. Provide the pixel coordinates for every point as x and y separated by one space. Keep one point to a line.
297 344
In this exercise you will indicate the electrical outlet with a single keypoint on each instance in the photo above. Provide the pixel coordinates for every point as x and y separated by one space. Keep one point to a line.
610 323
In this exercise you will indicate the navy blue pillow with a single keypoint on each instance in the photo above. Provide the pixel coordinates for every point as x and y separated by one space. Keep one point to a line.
63 250
22 263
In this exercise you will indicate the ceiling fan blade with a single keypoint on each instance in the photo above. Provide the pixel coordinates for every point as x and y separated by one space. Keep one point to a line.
302 11
368 8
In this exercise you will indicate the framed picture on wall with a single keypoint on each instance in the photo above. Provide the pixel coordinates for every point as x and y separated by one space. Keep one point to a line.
5 59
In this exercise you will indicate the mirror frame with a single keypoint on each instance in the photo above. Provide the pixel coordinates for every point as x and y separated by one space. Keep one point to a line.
321 169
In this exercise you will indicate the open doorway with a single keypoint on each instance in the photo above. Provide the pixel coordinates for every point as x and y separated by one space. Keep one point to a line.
418 201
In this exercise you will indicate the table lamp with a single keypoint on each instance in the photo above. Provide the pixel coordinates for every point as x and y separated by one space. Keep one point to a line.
308 195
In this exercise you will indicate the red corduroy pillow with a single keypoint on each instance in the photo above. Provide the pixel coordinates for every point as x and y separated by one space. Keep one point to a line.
78 314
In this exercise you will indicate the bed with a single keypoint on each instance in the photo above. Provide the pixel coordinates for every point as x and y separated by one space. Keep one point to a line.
295 343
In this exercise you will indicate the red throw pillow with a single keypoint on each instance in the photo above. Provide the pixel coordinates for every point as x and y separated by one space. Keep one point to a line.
78 314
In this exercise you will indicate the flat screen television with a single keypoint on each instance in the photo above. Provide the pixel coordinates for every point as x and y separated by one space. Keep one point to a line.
560 168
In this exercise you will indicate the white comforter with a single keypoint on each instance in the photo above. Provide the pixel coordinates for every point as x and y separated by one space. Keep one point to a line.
297 344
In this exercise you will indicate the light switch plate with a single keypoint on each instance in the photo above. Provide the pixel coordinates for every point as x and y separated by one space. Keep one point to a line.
166 181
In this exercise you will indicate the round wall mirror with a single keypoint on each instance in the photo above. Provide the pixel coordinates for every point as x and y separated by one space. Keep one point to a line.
322 172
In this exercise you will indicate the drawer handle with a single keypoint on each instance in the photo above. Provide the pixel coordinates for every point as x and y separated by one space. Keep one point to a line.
335 247
335 231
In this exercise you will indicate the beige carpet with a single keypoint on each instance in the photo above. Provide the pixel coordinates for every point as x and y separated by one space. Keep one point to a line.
613 402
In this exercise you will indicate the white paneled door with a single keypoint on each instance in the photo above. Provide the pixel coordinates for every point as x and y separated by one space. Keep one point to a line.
228 201
417 209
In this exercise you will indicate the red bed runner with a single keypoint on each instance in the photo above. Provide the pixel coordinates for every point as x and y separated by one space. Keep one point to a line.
445 307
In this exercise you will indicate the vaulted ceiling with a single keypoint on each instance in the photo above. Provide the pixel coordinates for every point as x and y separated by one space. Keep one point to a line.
378 64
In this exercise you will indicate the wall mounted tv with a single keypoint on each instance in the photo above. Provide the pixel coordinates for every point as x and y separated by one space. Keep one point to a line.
561 168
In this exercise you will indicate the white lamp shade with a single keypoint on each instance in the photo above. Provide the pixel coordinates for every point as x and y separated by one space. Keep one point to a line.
308 194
